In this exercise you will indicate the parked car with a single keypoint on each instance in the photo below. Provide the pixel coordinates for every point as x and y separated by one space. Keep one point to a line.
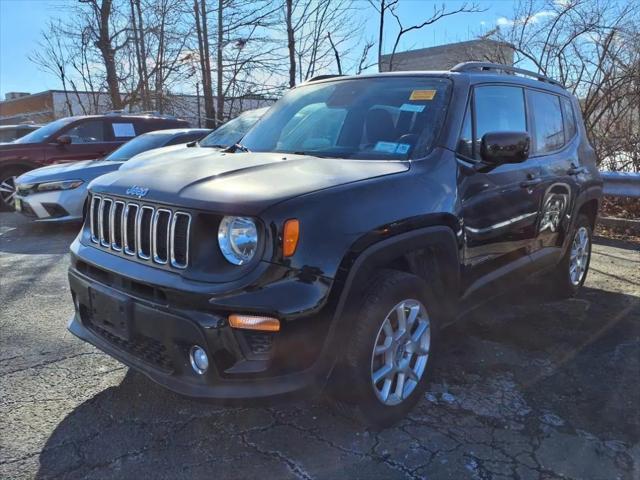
72 139
9 133
222 137
359 216
57 193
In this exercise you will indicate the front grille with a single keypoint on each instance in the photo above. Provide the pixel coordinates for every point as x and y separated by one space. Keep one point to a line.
158 235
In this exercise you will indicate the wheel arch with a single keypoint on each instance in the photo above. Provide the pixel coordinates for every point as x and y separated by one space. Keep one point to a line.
430 252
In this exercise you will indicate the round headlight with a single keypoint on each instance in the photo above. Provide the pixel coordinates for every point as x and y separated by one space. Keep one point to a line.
238 239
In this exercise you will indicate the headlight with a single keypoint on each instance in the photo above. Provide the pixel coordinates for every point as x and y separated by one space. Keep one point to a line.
62 185
238 239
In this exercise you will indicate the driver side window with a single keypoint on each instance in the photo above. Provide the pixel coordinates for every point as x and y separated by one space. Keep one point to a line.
498 109
91 131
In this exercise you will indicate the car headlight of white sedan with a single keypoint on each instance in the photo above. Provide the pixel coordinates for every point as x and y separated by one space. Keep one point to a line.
59 185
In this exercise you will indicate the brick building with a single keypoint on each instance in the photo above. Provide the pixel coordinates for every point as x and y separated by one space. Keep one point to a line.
50 105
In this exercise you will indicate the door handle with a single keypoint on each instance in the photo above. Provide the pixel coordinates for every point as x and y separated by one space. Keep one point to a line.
575 170
531 183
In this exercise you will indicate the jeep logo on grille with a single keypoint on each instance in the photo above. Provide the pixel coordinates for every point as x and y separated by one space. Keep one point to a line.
136 191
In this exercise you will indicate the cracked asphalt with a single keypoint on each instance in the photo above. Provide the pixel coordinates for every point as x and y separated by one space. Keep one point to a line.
525 388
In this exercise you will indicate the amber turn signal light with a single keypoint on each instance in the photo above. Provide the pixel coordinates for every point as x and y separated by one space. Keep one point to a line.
290 237
253 322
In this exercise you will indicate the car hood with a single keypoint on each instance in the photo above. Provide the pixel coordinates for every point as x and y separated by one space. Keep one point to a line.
85 170
241 183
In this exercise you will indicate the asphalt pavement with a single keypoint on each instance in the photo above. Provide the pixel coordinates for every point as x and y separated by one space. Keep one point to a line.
525 388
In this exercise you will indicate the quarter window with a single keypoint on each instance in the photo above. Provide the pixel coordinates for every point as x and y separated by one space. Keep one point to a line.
465 145
498 109
569 119
547 122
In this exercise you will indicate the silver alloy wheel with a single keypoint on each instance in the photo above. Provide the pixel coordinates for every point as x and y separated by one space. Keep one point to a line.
400 352
580 252
8 190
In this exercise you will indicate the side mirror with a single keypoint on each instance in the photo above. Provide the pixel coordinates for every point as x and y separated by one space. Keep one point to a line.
504 147
63 140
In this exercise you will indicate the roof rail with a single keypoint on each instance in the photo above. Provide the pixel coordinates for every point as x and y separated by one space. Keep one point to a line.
498 67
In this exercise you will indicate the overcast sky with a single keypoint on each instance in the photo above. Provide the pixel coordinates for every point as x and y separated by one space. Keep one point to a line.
21 23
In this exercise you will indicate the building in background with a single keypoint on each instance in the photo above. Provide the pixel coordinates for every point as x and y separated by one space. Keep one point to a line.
444 57
43 107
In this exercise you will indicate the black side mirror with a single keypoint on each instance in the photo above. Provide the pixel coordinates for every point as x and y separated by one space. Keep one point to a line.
63 140
504 147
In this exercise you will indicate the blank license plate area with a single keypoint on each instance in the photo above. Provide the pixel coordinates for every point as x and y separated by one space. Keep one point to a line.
111 312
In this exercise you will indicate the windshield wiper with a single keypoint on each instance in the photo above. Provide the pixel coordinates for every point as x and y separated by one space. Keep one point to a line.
235 147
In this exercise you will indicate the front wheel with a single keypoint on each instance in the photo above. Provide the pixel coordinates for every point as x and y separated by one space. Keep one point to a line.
388 358
8 187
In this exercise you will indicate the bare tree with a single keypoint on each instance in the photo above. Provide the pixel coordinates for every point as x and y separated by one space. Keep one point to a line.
593 49
439 12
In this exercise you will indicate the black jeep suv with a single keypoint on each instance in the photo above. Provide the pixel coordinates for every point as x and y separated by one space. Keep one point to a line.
358 217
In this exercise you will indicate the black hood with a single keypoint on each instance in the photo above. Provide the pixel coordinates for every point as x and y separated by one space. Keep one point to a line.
240 183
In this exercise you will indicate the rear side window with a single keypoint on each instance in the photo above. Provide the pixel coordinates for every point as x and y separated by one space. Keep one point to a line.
548 125
498 109
569 118
91 131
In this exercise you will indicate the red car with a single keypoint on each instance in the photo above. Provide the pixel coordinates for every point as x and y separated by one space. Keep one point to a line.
71 139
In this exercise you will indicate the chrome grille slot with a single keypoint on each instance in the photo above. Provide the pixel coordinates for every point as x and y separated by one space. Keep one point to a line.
116 225
93 218
105 222
143 234
180 239
146 232
129 228
161 226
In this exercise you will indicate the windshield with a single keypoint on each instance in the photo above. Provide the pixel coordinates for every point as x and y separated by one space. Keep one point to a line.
232 132
368 118
41 134
138 145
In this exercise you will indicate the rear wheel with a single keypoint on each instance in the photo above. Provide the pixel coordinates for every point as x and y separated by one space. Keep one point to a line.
388 358
8 187
571 273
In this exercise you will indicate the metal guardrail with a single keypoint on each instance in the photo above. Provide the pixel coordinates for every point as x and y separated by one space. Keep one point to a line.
620 184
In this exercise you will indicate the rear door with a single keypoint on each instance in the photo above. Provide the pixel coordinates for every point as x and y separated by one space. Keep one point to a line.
555 152
89 139
499 205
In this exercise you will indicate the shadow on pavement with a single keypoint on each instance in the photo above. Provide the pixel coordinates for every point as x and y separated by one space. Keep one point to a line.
578 358
21 236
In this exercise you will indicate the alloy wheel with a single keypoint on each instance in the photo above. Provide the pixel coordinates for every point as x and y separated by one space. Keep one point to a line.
580 251
8 190
400 352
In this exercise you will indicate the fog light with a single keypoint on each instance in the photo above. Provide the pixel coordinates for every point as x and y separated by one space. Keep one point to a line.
199 359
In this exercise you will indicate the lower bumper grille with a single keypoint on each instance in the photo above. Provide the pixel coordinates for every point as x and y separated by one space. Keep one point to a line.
145 348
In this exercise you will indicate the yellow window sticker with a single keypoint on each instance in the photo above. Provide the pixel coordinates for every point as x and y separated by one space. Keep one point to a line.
422 95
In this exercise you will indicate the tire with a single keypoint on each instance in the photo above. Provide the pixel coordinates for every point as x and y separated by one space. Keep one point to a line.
571 272
7 187
353 390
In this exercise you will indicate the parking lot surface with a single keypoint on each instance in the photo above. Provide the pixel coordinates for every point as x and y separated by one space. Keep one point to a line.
524 388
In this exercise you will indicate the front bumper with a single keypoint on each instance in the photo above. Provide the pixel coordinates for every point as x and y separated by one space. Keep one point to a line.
244 365
56 206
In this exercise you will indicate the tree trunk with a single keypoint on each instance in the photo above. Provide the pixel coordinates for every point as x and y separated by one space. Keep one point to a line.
291 43
380 33
200 10
108 55
219 66
146 100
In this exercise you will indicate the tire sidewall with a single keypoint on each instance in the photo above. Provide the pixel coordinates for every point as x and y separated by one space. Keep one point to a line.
582 221
376 305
